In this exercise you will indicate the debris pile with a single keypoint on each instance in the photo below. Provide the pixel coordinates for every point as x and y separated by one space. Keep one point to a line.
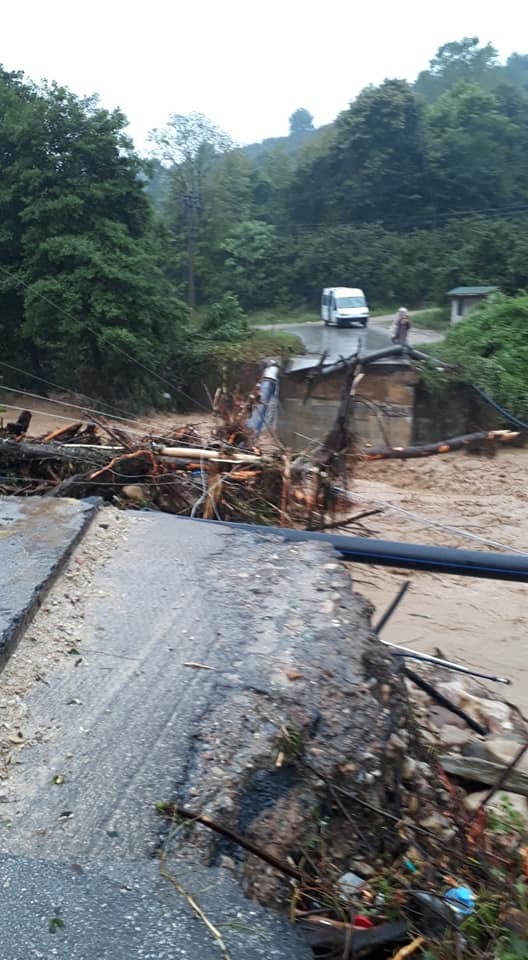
220 472
447 875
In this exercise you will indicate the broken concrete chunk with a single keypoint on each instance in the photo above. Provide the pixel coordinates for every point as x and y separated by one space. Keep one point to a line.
484 771
493 713
500 803
364 869
134 491
452 736
435 822
500 750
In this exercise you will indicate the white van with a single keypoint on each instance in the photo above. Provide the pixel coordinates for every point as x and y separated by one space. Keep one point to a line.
344 306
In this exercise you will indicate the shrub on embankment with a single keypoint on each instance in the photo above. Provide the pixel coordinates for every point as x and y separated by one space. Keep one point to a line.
489 349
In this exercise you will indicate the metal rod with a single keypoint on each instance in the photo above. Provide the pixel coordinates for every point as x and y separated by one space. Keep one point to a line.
392 607
398 651
444 702
503 776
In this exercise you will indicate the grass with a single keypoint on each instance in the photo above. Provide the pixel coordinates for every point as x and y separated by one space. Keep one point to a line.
263 343
434 318
273 315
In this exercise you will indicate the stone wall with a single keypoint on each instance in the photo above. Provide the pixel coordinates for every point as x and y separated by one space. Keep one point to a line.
384 398
455 410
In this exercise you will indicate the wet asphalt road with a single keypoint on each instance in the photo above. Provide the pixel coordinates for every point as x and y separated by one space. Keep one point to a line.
342 341
337 341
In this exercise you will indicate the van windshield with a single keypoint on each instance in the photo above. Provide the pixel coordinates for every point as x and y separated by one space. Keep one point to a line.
344 302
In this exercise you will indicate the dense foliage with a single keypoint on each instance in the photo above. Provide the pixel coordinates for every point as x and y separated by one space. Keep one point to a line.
490 350
413 189
83 297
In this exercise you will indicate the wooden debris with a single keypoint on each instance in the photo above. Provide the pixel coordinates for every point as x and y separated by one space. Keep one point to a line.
217 474
19 428
444 446
173 811
197 666
409 949
63 434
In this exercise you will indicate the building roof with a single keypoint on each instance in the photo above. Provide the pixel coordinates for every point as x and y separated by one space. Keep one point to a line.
471 291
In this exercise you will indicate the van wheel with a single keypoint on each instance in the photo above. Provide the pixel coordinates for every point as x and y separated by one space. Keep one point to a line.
364 323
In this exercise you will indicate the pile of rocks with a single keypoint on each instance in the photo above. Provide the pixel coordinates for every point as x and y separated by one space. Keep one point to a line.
472 758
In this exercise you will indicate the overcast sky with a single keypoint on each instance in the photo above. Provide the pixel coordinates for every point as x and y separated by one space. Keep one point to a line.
247 65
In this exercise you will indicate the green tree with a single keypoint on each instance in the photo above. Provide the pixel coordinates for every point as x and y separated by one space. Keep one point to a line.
379 159
301 122
462 60
490 350
82 294
474 151
225 320
188 145
253 270
516 71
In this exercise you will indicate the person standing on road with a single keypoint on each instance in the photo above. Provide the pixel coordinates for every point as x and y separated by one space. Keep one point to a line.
400 327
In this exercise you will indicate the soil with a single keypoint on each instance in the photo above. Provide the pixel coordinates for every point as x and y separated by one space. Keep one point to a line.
480 623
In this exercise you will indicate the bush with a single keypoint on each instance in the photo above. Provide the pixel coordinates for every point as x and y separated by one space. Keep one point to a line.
490 350
225 319
435 318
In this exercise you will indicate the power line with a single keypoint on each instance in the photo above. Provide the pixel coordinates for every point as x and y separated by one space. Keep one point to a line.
56 416
62 403
39 413
57 386
508 211
417 518
113 346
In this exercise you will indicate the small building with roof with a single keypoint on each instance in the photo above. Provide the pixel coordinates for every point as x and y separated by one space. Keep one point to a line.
465 299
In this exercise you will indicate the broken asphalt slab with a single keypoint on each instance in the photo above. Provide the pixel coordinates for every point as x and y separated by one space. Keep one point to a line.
37 536
116 723
192 644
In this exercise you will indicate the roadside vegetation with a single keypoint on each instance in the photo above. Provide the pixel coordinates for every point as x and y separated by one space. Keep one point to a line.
434 318
489 349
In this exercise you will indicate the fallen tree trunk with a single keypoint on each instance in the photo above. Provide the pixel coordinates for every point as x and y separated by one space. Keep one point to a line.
26 452
443 446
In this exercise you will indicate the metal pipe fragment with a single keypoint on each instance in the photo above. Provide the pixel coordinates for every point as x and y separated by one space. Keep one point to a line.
399 651
444 702
267 390
406 652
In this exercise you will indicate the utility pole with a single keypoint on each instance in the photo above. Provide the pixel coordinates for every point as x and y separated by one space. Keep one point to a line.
191 203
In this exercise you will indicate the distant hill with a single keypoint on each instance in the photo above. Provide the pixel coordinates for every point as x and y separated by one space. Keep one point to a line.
290 144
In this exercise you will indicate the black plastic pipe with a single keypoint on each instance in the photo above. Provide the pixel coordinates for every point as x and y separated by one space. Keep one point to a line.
411 556
496 406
